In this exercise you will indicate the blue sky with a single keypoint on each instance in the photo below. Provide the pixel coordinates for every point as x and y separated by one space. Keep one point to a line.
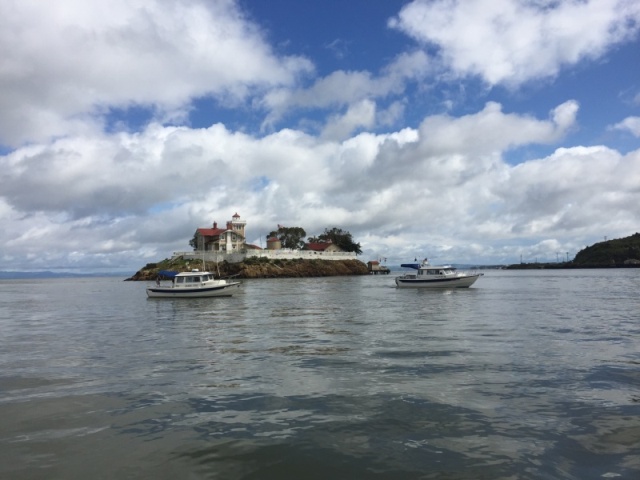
476 131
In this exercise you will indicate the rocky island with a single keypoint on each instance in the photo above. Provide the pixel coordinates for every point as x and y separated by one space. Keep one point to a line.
224 251
256 267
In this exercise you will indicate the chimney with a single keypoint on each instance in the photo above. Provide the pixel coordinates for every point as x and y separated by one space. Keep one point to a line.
215 224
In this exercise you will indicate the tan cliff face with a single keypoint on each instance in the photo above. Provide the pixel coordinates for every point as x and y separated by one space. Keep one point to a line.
259 269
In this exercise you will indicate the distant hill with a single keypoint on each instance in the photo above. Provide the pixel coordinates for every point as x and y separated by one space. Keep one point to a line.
11 275
621 252
617 253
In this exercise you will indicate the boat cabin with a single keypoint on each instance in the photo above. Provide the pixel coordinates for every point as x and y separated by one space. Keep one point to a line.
193 278
436 271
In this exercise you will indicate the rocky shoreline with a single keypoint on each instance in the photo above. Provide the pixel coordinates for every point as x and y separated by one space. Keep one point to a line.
256 268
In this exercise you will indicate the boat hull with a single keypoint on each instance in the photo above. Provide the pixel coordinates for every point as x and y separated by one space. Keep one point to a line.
201 292
454 282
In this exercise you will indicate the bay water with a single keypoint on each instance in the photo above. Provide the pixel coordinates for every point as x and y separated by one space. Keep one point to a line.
526 375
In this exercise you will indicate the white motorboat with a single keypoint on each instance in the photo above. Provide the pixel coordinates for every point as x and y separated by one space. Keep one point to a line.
435 276
193 284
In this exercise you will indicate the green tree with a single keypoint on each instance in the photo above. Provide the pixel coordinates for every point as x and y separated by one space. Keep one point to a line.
341 238
290 237
194 241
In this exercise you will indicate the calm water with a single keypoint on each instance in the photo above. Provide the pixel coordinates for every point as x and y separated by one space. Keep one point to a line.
528 375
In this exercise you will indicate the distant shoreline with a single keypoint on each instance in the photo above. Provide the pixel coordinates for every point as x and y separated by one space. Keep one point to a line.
556 266
11 275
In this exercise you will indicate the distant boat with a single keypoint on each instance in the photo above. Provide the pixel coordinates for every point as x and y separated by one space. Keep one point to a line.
193 284
435 276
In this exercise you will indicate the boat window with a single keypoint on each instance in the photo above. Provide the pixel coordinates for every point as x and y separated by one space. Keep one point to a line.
179 279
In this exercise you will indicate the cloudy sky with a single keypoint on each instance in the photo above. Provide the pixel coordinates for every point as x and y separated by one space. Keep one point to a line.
469 131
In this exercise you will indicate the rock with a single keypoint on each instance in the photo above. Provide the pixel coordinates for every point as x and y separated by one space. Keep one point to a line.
257 268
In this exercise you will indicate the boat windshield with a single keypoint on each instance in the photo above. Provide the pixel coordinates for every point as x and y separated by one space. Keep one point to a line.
430 271
436 271
194 278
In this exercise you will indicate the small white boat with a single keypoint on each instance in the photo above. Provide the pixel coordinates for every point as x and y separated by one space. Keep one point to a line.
193 284
435 276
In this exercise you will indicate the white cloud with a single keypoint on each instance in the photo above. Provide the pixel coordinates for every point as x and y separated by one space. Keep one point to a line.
66 63
571 191
341 88
491 130
391 114
515 41
121 199
440 187
630 124
359 115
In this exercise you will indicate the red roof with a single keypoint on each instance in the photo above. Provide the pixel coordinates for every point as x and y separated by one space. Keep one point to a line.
318 247
211 232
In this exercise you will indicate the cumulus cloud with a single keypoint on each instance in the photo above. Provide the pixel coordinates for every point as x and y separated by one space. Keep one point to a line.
514 41
571 190
123 197
491 130
629 124
347 88
65 64
359 115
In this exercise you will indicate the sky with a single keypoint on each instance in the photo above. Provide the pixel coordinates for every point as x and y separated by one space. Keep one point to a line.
466 131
